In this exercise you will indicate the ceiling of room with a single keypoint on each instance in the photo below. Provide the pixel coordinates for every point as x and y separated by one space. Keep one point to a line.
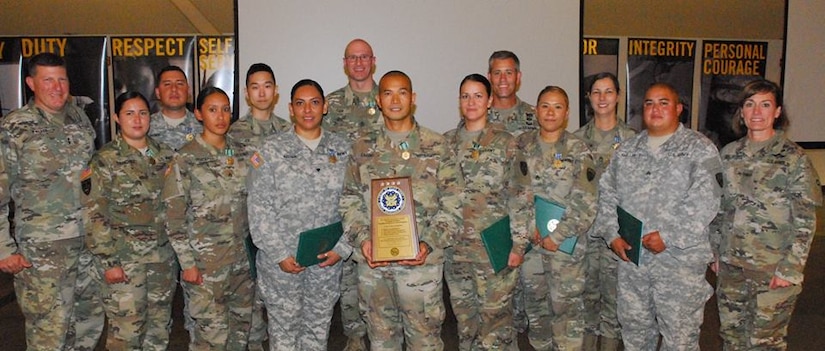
104 17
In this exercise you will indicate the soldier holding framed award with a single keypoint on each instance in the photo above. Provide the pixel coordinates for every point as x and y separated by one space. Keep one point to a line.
403 298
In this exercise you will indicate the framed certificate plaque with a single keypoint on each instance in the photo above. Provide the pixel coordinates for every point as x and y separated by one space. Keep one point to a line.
394 232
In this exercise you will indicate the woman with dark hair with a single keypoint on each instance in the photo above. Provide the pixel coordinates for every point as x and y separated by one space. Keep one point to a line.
603 134
763 233
205 194
125 231
296 189
480 297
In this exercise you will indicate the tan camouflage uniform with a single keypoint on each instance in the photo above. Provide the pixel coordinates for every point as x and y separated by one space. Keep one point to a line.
482 299
205 195
516 120
44 157
562 172
602 264
176 136
126 230
764 229
294 190
673 190
404 304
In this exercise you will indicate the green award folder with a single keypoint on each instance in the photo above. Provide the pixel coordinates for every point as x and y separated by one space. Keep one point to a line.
631 230
251 251
314 242
498 242
548 216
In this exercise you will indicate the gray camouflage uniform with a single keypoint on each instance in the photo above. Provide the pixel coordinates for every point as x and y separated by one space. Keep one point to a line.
251 132
126 230
482 299
404 304
562 172
675 191
516 120
764 228
174 137
602 264
45 157
205 195
294 190
348 113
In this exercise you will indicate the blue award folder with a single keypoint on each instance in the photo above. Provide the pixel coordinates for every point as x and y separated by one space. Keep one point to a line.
548 216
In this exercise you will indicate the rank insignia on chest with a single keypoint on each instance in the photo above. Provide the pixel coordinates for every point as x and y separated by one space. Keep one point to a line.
256 160
523 167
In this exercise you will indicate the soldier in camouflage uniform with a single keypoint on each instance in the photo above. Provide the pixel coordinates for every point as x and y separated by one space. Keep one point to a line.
205 195
250 130
481 299
45 146
507 110
603 134
403 300
173 125
556 165
260 121
126 234
765 225
665 177
352 108
301 173
355 106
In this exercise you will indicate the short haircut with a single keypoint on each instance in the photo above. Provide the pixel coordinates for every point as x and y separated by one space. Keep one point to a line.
553 89
45 59
129 95
665 86
168 69
395 73
475 77
205 93
259 67
306 82
503 55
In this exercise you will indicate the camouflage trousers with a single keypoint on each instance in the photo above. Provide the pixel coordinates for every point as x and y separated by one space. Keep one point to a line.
299 305
404 306
482 303
553 288
140 310
601 278
753 316
257 329
665 295
222 306
351 314
58 296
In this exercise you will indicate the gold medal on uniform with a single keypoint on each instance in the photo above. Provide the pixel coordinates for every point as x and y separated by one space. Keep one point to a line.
332 157
371 110
476 151
616 140
150 154
557 161
230 161
404 154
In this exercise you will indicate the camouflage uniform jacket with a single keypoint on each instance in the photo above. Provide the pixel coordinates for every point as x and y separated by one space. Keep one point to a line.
45 157
674 191
516 120
348 113
251 132
205 195
436 183
485 166
296 189
566 177
125 209
768 215
174 137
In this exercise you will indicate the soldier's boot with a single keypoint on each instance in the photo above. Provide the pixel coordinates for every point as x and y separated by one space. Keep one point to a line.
610 344
356 343
591 342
